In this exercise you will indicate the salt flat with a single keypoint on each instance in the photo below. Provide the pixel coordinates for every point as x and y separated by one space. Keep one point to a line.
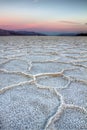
43 83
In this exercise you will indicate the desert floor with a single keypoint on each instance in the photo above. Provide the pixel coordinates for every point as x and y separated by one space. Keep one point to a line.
43 83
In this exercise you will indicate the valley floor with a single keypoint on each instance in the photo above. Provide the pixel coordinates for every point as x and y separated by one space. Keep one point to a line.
43 83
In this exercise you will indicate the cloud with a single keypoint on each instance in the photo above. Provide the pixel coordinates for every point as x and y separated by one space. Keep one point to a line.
69 22
85 23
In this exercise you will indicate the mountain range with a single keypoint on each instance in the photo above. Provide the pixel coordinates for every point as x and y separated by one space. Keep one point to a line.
19 33
29 33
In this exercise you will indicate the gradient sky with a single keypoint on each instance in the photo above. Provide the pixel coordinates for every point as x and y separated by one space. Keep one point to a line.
44 15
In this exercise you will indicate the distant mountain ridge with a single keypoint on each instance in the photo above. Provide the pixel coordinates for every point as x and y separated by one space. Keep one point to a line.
19 33
72 34
82 34
4 32
30 33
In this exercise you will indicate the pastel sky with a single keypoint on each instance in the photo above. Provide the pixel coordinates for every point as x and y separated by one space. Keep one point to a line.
44 15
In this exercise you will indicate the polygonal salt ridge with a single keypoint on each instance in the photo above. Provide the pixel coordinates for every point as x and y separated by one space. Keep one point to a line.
16 64
82 63
73 55
53 82
44 67
38 52
78 73
75 93
49 66
80 60
40 57
1 60
9 54
83 56
5 53
58 78
65 59
13 79
17 73
75 121
81 81
28 106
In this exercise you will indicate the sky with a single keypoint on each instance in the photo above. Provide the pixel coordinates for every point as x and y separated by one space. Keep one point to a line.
44 15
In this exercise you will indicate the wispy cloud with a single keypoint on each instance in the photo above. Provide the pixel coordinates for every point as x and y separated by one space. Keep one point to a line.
69 22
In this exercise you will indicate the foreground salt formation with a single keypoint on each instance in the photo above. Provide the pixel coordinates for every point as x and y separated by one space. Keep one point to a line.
43 83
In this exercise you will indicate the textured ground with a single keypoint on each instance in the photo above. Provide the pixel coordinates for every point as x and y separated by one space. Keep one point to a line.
43 83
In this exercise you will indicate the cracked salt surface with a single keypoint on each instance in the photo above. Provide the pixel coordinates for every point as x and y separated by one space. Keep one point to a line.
27 108
15 65
76 93
57 82
43 83
72 119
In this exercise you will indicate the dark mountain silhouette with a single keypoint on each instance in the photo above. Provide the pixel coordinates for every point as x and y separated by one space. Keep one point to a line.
4 32
82 34
28 33
19 33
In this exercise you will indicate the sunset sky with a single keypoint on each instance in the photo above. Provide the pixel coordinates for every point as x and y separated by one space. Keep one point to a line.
44 15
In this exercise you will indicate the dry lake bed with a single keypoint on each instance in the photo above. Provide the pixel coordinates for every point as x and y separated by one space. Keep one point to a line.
43 83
